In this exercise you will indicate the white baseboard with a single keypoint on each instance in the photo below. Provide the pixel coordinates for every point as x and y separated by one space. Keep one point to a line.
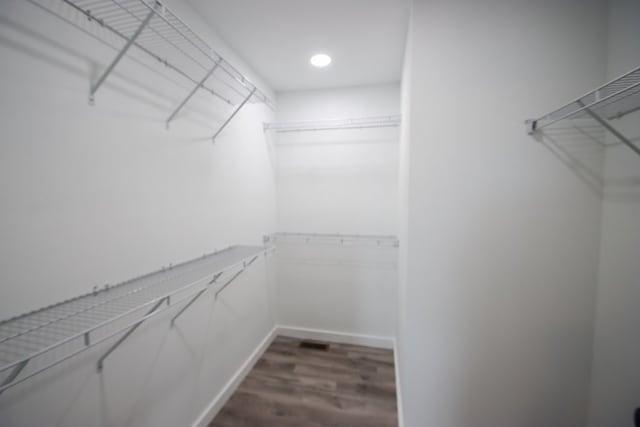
333 336
230 387
398 388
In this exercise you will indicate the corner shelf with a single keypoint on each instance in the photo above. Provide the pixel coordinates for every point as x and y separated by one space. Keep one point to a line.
39 340
152 28
611 101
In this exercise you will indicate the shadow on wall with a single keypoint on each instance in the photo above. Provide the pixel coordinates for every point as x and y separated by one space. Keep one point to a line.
41 46
582 147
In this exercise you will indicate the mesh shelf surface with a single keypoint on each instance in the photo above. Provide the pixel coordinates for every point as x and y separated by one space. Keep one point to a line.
165 37
612 100
337 124
333 239
47 336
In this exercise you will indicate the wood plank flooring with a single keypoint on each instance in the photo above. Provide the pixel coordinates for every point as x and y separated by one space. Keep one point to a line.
345 386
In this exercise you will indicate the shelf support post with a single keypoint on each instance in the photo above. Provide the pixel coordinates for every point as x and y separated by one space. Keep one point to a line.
202 291
193 91
224 125
611 129
130 42
128 333
245 265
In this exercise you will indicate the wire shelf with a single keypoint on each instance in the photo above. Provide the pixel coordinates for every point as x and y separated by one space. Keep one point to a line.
332 239
337 124
152 28
611 101
36 341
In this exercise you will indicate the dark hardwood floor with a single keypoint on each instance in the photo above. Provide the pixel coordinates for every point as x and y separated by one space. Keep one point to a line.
345 386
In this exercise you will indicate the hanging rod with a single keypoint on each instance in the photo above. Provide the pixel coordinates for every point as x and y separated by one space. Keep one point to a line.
337 124
36 341
612 100
151 27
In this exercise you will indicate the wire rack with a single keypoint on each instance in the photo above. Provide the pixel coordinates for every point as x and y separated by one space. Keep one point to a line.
152 28
328 250
337 124
611 101
36 341
332 239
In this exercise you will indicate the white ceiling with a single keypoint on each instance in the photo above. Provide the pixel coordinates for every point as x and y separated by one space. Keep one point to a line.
365 39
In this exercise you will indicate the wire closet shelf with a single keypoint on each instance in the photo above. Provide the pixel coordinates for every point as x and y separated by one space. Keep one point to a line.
332 239
36 341
152 28
336 124
608 102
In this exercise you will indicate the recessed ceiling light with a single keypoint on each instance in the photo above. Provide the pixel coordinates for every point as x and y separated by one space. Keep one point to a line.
320 60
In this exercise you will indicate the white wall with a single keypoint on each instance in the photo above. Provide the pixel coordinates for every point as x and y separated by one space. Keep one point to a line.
403 217
497 303
345 288
337 181
95 195
615 391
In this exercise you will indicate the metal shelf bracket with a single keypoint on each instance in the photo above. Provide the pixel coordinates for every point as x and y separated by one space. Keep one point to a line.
532 126
125 48
13 375
245 265
224 125
192 300
193 91
130 331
